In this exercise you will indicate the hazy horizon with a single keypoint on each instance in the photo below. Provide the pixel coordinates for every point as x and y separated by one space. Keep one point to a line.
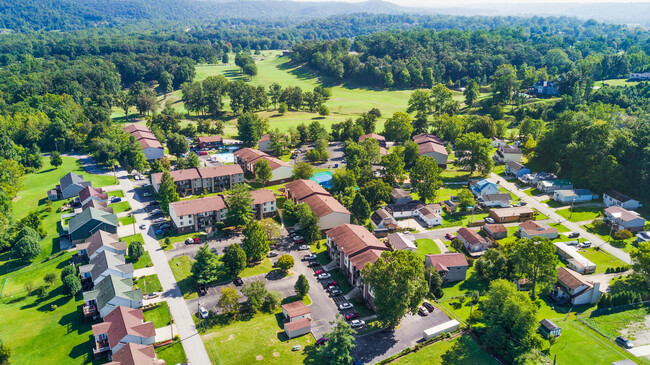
456 3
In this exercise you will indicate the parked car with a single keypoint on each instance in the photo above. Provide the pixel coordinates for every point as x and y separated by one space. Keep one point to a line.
345 306
189 241
311 256
303 247
202 291
313 264
203 153
164 225
624 342
573 235
318 272
143 226
423 311
203 312
428 306
352 315
300 242
321 341
357 323
272 254
238 281
335 290
584 244
450 236
332 283
197 240
159 232
489 220
153 295
324 276
116 199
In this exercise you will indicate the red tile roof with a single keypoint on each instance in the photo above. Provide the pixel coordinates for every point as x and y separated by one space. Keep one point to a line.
200 205
296 309
124 321
429 147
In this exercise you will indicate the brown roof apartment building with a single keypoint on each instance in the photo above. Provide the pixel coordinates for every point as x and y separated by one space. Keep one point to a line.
432 146
206 180
123 325
281 171
331 213
198 214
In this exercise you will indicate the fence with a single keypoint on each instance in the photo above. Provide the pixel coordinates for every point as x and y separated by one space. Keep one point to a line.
20 270
604 311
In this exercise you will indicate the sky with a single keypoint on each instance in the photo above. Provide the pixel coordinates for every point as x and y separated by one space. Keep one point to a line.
453 3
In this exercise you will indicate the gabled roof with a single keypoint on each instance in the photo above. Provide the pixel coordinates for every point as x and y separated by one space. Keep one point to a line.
536 228
251 156
122 322
97 204
296 325
136 354
295 309
89 191
502 197
89 214
262 196
471 236
429 147
199 205
71 179
110 287
400 243
209 139
426 137
398 193
143 135
444 261
106 260
323 205
265 138
354 241
511 212
548 324
515 166
510 149
618 196
102 238
376 136
495 228
200 173
429 211
301 189
136 127
150 143
622 213
571 279
379 215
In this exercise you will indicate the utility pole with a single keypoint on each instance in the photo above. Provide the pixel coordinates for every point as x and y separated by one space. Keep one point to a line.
571 211
133 221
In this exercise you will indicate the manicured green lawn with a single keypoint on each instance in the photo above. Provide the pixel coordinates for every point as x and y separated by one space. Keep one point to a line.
461 221
447 192
181 267
559 226
426 246
144 261
261 268
148 284
133 237
159 315
616 82
14 282
581 214
461 350
183 237
602 259
626 245
124 221
172 354
117 193
120 207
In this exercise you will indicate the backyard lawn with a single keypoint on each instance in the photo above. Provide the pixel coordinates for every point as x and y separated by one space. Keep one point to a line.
460 221
133 237
426 246
117 193
602 259
148 284
581 214
611 325
172 354
626 245
124 221
462 350
159 315
120 207
181 267
144 261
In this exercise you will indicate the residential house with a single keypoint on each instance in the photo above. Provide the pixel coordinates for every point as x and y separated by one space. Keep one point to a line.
69 186
264 205
643 237
152 148
401 211
209 142
516 169
533 178
513 214
449 206
281 171
89 193
133 354
89 221
381 140
103 264
331 212
545 88
99 242
295 311
264 144
614 198
500 200
297 328
548 328
110 293
575 288
621 218
639 76
573 196
351 247
198 214
496 142
495 231
400 196
573 259
530 229
432 146
382 220
472 241
430 214
549 186
482 187
508 153
451 266
97 205
399 242
195 181
122 326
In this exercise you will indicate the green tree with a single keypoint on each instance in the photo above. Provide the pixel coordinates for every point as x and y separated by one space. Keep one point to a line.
256 292
456 244
493 265
509 322
376 192
398 128
411 154
193 160
425 178
397 281
166 82
56 160
360 209
309 222
256 245
251 127
338 349
504 83
271 301
49 278
282 108
177 144
275 90
301 286
393 167
234 259
250 70
536 260
465 199
263 172
5 354
71 284
302 170
473 151
136 250
167 192
641 259
27 246
285 262
68 270
434 281
239 202
124 100
271 229
229 301
442 100
471 93
323 110
205 268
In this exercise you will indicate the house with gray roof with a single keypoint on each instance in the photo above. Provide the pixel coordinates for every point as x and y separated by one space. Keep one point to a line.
110 293
103 264
89 221
101 241
69 186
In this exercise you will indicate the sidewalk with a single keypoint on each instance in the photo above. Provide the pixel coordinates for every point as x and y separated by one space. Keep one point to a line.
165 333
145 271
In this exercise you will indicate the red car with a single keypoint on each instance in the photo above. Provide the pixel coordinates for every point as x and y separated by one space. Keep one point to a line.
321 341
196 240
202 153
449 236
333 283
351 316
318 272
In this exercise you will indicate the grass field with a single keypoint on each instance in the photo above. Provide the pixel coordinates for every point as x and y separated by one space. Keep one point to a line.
159 315
120 207
626 245
616 82
172 354
426 246
144 261
581 214
148 284
612 325
602 259
181 267
125 221
117 193
461 350
461 221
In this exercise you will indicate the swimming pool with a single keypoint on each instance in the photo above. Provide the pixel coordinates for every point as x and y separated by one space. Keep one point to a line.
323 178
227 157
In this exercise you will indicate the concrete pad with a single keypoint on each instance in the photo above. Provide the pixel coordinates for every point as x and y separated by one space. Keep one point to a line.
640 351
165 333
410 223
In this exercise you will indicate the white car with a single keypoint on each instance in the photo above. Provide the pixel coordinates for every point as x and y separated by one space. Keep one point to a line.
324 276
143 226
346 305
272 254
303 247
424 311
203 312
356 323
584 244
311 256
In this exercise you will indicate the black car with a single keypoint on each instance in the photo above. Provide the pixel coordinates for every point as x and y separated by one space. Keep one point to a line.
624 342
428 306
313 264
574 235
238 281
202 291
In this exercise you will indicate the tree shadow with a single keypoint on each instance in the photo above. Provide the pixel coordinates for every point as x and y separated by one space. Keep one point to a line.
462 352
373 345
46 171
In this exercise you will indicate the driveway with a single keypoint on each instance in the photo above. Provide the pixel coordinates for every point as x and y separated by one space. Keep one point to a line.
378 345
549 212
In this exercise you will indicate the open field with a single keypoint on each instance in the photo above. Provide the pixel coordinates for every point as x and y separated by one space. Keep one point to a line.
182 269
616 82
172 354
461 350
581 214
631 323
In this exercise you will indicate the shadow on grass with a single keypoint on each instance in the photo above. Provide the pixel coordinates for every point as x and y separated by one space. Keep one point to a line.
462 352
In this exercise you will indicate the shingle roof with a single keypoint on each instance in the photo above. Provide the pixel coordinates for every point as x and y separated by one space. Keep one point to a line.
97 204
266 137
124 321
143 135
618 196
510 149
399 242
135 354
89 191
429 211
251 156
106 260
296 325
300 189
354 241
426 137
89 214
323 205
102 238
262 196
376 136
536 228
503 197
571 279
495 228
548 324
110 287
428 147
470 236
136 127
398 193
200 173
209 139
622 213
516 166
69 179
512 211
444 261
295 309
200 205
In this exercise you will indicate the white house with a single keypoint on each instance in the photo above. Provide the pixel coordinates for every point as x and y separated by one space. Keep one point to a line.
122 326
574 260
110 293
483 186
105 264
549 186
614 198
430 214
508 153
473 242
296 311
498 143
575 288
499 200
264 144
573 196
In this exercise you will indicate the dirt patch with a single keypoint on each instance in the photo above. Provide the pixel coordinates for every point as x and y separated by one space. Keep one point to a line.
17 198
259 358
638 332
276 354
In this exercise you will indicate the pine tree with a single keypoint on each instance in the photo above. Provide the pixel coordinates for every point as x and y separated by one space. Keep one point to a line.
206 267
360 209
301 286
167 192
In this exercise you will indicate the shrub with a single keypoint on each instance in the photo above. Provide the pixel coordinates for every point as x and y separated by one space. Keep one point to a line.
136 250
71 284
41 292
68 270
285 262
49 278
623 234
608 270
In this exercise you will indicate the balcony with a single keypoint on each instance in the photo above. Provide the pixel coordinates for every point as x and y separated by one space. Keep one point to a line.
101 349
90 310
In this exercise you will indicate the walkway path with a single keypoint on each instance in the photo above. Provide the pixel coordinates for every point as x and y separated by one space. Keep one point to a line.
165 333
190 338
551 214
